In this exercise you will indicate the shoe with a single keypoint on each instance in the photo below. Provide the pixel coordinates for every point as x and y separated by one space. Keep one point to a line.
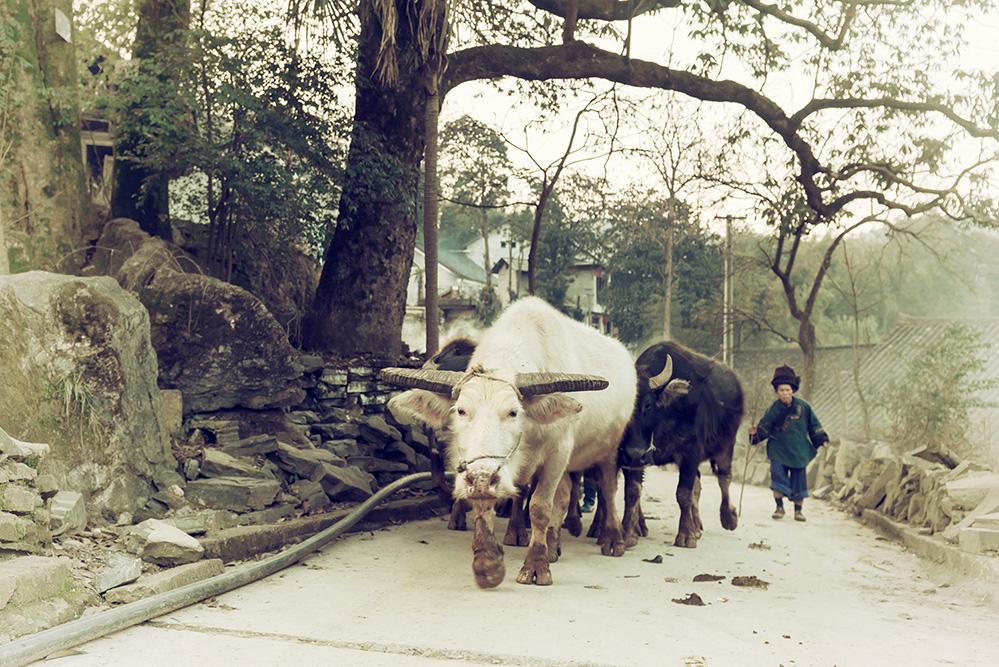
799 516
778 513
587 507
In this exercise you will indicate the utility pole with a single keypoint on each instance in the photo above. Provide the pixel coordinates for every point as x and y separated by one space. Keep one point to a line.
668 271
727 289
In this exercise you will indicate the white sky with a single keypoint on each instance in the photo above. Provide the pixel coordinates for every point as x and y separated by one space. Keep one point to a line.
654 38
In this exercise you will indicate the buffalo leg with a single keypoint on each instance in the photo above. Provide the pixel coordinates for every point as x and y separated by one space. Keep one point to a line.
723 470
686 534
518 528
695 505
457 519
611 536
536 568
574 518
554 536
597 526
487 554
633 478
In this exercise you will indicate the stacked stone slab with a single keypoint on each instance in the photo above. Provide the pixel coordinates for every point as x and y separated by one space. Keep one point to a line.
929 489
24 516
353 387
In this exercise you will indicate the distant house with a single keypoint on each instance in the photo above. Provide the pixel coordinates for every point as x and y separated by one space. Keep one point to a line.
461 279
587 281
97 147
459 282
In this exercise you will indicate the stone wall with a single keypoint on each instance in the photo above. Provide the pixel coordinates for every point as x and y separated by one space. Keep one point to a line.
339 445
931 491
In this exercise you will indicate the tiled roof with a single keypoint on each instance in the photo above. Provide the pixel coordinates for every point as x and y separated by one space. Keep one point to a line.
838 403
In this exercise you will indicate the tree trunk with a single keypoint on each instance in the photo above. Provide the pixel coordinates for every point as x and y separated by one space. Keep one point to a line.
485 248
806 341
4 259
430 193
140 193
360 302
43 192
532 254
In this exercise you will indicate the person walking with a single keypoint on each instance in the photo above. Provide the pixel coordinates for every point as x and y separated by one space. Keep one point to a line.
794 435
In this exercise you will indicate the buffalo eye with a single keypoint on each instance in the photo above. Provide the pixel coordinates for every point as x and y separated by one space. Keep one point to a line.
461 412
511 414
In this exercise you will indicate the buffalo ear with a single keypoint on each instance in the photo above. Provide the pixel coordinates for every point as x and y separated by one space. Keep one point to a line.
549 408
677 388
430 408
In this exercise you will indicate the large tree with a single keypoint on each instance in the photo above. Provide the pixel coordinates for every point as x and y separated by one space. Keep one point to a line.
155 111
874 102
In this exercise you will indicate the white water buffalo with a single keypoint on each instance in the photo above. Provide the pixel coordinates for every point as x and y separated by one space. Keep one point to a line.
511 423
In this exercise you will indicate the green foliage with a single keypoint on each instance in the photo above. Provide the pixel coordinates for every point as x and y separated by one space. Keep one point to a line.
250 129
637 264
565 239
931 403
475 176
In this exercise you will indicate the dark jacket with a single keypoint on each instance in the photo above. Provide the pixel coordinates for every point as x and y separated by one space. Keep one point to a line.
793 433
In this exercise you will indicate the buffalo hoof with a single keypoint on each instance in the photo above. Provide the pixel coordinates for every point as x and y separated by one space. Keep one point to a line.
613 548
685 540
516 537
554 547
574 525
489 570
643 528
630 540
729 519
535 572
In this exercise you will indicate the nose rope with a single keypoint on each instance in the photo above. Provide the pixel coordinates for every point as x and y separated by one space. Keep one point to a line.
463 464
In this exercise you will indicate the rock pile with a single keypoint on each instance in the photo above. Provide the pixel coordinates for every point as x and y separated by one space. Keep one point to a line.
31 507
928 489
302 461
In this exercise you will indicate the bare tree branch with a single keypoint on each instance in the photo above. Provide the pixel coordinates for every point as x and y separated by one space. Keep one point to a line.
831 43
890 103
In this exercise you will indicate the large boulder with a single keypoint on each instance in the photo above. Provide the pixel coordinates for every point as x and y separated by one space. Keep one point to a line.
282 275
78 372
217 343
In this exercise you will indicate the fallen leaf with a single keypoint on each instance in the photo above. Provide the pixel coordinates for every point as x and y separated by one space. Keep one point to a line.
709 577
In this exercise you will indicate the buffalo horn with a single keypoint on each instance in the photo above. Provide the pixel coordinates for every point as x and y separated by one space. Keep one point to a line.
439 382
664 376
535 384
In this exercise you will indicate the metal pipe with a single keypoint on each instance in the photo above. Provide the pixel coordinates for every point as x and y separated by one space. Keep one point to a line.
39 645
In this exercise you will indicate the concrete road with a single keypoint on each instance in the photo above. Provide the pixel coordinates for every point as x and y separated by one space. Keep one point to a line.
405 596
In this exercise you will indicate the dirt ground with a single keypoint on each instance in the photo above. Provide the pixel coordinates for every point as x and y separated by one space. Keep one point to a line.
835 594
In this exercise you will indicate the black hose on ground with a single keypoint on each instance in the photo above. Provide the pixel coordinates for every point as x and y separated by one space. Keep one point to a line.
37 646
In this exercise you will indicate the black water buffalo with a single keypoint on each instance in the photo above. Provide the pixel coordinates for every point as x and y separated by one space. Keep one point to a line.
685 423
